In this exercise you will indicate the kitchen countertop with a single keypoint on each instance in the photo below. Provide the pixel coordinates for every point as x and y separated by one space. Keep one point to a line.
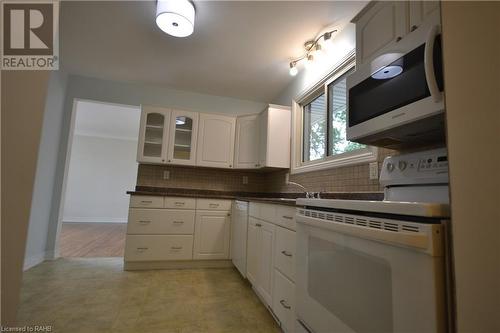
276 198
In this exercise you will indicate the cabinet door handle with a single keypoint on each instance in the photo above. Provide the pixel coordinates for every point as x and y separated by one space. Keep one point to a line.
286 253
142 249
287 217
398 38
213 205
176 247
414 27
285 305
144 221
178 203
147 201
178 222
258 225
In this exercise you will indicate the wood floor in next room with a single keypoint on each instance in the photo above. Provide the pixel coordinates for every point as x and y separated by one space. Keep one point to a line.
92 239
95 295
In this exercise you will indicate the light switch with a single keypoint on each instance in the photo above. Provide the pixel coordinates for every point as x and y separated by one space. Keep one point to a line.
245 180
166 174
374 170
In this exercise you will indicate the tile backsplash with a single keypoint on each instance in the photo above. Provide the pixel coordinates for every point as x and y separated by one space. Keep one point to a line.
199 178
344 179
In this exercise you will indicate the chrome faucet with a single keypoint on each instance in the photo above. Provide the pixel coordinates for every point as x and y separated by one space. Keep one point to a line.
309 195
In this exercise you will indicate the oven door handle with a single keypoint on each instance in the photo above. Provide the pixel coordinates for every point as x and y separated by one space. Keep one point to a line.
430 75
304 326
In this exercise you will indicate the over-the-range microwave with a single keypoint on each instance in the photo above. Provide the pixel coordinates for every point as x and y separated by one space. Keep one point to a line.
397 99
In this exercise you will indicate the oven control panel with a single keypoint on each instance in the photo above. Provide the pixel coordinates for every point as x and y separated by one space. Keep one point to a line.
426 167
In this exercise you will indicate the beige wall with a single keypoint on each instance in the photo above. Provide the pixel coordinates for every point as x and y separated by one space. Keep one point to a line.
23 102
471 32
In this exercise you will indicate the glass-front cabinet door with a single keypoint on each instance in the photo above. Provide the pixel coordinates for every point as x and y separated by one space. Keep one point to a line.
153 136
183 137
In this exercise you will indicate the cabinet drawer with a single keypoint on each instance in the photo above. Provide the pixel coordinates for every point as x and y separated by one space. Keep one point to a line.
180 203
158 247
268 212
146 201
284 254
284 301
213 204
160 221
285 216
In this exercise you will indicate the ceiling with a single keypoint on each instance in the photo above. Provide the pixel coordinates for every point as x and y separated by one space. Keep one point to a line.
107 120
239 49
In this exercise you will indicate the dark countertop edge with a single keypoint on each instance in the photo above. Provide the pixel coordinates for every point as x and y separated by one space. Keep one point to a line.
266 197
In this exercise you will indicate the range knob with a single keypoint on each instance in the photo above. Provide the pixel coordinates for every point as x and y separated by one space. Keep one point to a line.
402 165
390 167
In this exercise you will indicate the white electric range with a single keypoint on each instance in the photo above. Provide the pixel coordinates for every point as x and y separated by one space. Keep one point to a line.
378 266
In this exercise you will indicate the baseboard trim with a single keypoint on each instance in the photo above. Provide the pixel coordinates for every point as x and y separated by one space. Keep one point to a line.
185 264
94 220
35 260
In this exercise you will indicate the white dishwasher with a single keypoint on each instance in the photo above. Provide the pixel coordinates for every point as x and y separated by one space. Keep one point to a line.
239 236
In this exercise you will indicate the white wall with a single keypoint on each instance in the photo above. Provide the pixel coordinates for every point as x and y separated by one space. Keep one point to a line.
101 171
342 45
41 205
471 54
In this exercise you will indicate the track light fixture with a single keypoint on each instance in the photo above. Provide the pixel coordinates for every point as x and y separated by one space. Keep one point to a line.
313 50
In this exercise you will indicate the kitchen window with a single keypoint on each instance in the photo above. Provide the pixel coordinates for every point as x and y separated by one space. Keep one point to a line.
320 119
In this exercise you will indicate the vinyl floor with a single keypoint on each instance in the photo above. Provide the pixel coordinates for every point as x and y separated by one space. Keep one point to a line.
95 295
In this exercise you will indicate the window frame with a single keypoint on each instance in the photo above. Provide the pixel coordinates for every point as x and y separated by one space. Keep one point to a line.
298 165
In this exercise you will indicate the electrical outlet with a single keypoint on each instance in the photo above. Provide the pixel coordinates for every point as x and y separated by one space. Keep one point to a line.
245 180
166 174
374 170
287 178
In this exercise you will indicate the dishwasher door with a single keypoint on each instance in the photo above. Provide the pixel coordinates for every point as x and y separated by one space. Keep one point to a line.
365 274
239 225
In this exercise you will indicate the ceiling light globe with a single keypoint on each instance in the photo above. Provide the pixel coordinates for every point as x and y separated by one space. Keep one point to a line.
294 71
175 17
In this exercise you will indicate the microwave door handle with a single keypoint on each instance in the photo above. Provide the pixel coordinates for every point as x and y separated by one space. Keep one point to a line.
430 75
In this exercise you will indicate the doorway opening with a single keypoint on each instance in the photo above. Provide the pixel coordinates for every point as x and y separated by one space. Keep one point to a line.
101 167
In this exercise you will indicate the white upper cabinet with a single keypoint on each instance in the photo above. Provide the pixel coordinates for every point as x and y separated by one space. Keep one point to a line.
246 153
274 143
183 136
216 141
420 11
382 24
153 135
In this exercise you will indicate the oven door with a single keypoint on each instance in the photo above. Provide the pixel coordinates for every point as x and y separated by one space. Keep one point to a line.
359 279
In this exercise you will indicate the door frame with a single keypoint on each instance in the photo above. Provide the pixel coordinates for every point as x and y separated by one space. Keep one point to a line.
60 209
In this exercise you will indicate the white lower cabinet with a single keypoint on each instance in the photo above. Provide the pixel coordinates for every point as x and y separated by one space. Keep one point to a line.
165 232
260 262
271 259
284 254
160 221
158 247
252 250
211 235
266 262
284 301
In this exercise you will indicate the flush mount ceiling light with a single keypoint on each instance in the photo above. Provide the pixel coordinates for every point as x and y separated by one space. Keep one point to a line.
175 17
313 50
